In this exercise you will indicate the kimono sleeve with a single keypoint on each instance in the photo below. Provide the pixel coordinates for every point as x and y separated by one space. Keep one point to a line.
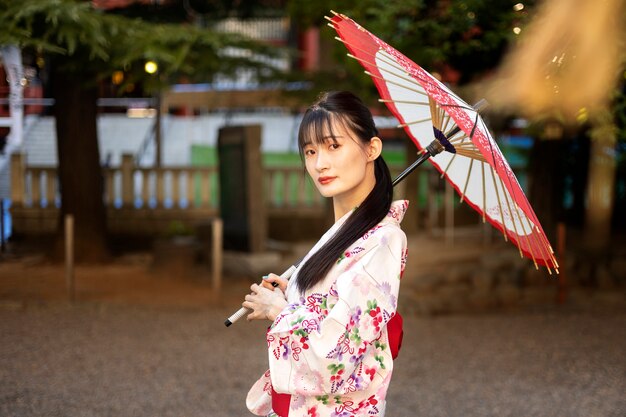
317 351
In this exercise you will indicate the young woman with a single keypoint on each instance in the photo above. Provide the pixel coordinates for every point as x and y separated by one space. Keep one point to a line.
334 328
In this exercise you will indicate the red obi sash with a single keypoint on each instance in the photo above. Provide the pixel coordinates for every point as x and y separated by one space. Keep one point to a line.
280 402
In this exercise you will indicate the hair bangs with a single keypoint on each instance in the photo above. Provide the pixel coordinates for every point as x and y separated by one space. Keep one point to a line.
316 128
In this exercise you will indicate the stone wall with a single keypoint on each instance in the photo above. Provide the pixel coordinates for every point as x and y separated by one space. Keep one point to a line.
471 276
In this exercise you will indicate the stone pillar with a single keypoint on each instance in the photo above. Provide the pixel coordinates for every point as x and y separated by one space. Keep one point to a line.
242 201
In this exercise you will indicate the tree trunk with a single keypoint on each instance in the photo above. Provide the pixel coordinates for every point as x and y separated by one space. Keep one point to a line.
601 182
80 174
546 183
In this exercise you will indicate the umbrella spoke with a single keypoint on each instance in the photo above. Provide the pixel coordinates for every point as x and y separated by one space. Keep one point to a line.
445 171
460 140
506 197
388 58
396 84
419 103
434 114
473 155
469 174
482 166
525 234
401 74
450 134
447 117
415 122
493 176
539 246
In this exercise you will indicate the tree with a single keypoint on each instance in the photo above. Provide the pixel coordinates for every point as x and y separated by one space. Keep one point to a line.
84 45
461 40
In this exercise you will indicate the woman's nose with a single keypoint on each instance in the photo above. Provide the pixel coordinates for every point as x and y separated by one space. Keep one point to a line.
321 161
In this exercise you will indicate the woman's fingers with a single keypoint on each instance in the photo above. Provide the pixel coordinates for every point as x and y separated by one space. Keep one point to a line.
265 302
271 281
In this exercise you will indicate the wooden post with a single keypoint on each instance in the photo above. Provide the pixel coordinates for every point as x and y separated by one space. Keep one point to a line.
216 257
449 209
127 180
561 235
69 255
17 180
2 244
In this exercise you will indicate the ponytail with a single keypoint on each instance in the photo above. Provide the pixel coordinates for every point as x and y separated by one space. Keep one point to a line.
372 210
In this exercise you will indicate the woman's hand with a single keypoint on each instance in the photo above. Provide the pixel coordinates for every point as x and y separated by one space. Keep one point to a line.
264 302
272 280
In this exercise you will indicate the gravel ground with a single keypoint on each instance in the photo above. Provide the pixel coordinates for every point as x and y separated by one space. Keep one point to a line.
110 359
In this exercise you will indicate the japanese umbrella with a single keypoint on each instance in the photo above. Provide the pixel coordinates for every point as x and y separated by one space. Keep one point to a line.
442 124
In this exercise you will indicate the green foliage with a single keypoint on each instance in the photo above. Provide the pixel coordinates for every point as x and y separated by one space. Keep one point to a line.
178 228
469 36
89 41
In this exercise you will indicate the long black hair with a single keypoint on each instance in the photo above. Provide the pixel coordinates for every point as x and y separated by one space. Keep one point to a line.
346 108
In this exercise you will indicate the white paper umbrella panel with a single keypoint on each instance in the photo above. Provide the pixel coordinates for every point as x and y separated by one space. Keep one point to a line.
472 163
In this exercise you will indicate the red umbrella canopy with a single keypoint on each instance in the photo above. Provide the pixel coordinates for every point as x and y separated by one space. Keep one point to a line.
471 161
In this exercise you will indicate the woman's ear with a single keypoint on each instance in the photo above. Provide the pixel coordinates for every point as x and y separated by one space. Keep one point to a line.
374 148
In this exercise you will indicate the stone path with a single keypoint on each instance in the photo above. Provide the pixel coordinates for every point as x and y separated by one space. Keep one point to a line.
139 343
116 359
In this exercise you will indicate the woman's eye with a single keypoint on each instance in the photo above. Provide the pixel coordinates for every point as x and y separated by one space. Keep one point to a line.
309 152
334 146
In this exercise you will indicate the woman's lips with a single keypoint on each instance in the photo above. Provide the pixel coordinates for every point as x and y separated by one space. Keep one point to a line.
325 180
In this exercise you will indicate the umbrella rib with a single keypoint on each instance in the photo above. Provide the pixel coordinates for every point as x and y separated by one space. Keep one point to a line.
467 145
395 83
535 219
460 139
469 173
546 244
445 121
506 197
472 155
530 248
434 113
468 107
414 122
445 171
421 103
400 74
495 186
528 242
482 165
544 251
463 134
384 53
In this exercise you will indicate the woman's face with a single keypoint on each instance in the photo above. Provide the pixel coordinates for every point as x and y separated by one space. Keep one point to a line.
342 167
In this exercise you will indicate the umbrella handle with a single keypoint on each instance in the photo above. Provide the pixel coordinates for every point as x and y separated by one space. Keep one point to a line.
244 311
411 168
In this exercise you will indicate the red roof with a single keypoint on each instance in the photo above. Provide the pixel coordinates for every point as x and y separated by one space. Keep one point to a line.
118 4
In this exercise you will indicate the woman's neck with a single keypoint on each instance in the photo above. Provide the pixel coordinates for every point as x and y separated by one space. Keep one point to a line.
342 204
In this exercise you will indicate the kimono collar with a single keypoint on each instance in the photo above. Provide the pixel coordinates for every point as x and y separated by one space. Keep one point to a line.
395 215
396 211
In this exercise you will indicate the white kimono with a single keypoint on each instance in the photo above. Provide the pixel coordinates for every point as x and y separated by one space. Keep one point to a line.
329 349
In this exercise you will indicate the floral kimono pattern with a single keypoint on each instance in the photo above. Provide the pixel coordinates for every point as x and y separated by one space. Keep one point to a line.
329 349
